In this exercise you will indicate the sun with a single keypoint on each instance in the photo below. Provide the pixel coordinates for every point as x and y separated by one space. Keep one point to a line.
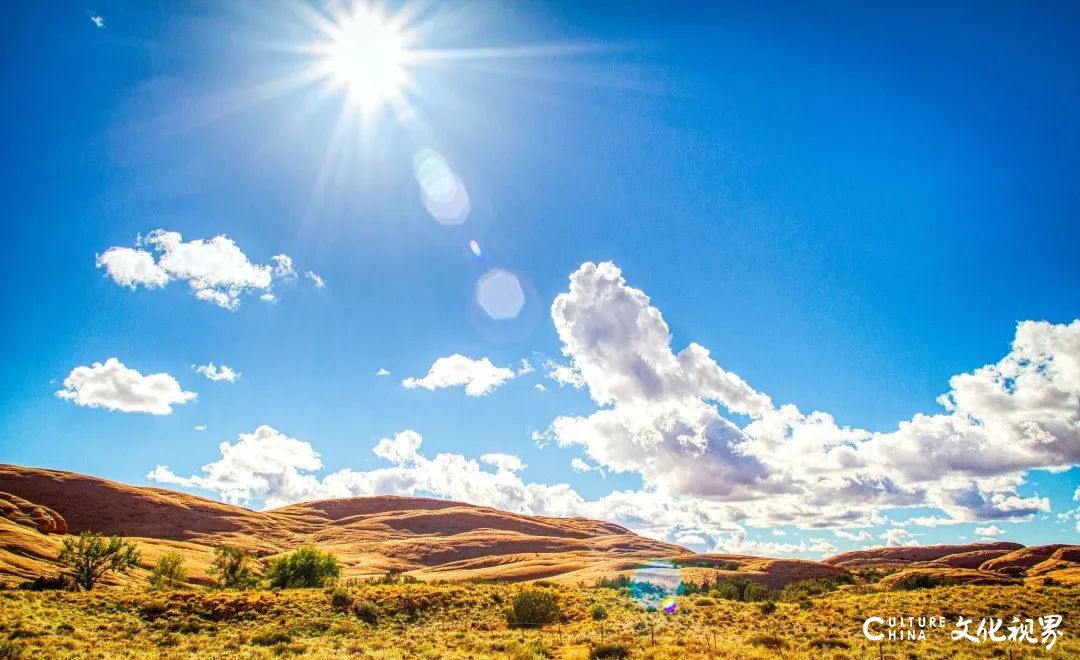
365 55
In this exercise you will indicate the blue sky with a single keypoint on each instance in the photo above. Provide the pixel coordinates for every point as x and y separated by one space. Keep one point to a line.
846 206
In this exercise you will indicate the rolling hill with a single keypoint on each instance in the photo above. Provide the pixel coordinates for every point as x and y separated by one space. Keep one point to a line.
430 539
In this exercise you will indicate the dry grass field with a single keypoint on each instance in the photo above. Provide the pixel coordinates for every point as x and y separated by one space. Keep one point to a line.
466 620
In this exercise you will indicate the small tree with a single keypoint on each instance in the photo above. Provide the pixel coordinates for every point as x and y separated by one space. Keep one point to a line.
305 568
168 572
91 556
231 568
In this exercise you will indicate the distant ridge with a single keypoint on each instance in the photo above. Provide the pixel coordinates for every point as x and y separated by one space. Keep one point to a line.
427 538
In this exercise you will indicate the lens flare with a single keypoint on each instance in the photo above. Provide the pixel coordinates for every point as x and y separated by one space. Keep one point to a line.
441 189
500 295
656 584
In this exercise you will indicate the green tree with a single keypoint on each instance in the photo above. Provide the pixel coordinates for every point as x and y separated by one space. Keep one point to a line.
231 568
306 567
91 556
168 572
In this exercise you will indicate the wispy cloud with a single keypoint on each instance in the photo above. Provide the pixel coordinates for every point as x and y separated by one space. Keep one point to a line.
216 373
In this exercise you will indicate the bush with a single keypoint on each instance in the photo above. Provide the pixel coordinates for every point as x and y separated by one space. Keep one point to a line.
610 650
9 650
768 607
756 592
41 583
168 572
704 602
728 590
599 613
367 612
231 568
92 556
341 600
533 608
828 643
307 567
920 581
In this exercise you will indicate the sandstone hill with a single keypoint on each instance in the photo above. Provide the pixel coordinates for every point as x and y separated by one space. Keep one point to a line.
428 538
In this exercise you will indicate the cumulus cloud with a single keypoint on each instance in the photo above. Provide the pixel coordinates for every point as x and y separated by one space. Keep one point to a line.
113 386
479 377
739 544
717 457
898 537
382 372
200 427
503 461
270 467
216 269
666 416
216 373
539 387
989 531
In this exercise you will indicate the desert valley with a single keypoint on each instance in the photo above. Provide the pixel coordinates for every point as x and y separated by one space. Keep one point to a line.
433 578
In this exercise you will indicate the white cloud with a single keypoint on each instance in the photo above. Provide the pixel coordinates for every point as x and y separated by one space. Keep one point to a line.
863 535
992 530
525 367
317 280
503 462
382 372
216 373
898 537
216 269
479 377
114 386
270 467
578 465
738 543
1076 495
97 20
200 427
664 416
565 375
779 532
539 387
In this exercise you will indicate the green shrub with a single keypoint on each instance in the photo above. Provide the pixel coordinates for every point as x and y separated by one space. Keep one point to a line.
756 592
828 643
533 608
599 613
367 612
341 600
231 568
921 581
168 572
610 650
307 567
729 589
768 607
41 583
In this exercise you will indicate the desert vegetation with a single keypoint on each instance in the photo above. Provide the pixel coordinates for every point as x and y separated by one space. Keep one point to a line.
373 619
